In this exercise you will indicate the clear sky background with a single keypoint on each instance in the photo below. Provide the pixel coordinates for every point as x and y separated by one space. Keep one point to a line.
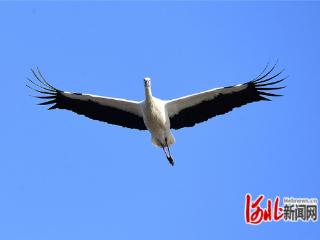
63 176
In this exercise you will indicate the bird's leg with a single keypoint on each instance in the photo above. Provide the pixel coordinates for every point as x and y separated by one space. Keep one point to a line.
168 156
170 159
169 151
165 151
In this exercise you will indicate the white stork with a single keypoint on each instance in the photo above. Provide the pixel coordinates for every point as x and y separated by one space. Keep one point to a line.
156 115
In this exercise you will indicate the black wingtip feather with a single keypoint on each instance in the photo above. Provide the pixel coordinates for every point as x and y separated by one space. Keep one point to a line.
270 94
43 97
271 83
42 86
270 78
37 77
267 74
264 98
271 88
265 68
39 91
48 102
43 78
261 83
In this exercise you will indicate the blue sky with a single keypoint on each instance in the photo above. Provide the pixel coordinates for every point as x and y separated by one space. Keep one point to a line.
63 176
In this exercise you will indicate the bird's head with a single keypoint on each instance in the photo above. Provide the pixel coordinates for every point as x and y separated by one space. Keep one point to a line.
147 81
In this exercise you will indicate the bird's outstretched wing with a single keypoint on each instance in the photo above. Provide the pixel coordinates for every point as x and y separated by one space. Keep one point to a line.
116 111
190 110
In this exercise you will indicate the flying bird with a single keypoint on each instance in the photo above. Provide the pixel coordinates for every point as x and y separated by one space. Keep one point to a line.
156 115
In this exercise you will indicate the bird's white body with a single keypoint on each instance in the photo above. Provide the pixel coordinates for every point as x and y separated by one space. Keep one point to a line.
156 119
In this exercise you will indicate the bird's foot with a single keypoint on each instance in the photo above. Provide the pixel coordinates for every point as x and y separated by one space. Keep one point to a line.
170 159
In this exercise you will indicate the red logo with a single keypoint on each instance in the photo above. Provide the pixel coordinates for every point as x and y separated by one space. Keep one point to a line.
255 214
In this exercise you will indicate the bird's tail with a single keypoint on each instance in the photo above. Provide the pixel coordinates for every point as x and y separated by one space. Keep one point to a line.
170 139
162 143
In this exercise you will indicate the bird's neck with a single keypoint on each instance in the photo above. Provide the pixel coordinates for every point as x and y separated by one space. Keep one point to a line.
148 93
